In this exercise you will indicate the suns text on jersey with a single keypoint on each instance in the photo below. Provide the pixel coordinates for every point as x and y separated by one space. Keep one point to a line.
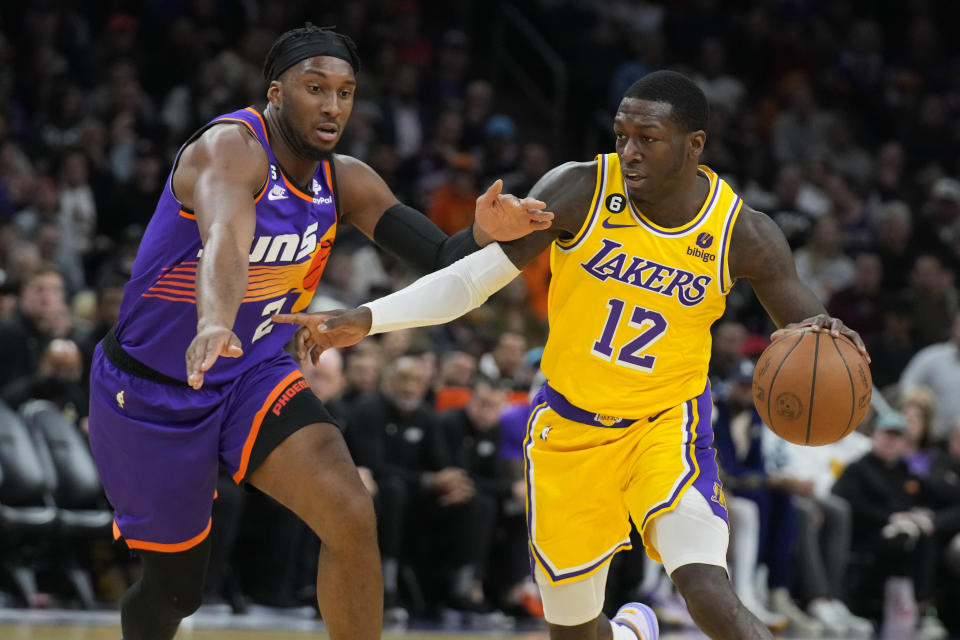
610 262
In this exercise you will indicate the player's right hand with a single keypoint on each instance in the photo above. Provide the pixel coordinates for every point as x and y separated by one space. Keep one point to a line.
327 329
209 344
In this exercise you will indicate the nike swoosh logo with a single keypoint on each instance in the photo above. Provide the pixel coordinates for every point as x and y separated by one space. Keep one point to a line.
273 196
610 225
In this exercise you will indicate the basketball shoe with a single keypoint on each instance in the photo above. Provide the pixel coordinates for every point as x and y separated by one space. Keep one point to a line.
635 620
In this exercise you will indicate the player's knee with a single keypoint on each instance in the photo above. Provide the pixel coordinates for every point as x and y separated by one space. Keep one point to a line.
356 518
174 599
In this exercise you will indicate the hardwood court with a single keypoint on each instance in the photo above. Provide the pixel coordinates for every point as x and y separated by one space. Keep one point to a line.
19 624
30 632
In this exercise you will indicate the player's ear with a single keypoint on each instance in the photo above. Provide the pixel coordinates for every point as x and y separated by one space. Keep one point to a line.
695 142
275 94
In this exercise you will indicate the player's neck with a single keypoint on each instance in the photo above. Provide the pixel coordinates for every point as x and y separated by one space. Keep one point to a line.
296 165
679 204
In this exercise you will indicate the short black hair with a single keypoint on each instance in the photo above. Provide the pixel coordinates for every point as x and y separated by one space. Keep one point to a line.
690 108
291 37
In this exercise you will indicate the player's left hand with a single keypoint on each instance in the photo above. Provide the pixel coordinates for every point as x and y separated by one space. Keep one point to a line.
327 329
827 324
503 217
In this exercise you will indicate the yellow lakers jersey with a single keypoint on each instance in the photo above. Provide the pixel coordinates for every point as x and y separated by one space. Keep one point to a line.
631 303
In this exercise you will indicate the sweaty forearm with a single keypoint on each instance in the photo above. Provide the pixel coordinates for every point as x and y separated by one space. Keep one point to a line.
221 282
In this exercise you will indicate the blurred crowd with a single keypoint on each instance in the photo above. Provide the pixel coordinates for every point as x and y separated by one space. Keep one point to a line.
838 119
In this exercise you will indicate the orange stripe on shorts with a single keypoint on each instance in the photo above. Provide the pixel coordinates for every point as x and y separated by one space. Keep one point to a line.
258 420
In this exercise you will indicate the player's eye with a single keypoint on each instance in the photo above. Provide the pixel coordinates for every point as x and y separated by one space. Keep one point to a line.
647 139
346 94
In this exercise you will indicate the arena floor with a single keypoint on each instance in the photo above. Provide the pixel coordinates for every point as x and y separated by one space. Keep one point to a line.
19 624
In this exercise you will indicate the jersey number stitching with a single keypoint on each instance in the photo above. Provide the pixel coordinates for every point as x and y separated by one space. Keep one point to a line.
652 326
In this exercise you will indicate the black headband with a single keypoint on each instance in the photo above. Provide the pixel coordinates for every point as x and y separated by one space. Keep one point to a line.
317 42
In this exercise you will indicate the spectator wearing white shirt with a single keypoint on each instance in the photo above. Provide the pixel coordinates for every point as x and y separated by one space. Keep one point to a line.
937 367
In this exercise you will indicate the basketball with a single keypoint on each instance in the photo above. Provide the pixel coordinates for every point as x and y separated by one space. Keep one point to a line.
811 388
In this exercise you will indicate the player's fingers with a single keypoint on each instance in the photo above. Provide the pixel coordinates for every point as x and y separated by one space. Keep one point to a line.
835 325
490 195
858 341
532 203
232 349
300 343
211 351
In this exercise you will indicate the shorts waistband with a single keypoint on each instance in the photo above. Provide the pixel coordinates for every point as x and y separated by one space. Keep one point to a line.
127 363
568 410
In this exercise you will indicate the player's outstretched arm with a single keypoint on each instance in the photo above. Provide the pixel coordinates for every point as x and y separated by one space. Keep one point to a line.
366 202
759 253
217 177
451 292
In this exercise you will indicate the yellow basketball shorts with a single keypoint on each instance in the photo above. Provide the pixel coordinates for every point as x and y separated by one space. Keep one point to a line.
586 479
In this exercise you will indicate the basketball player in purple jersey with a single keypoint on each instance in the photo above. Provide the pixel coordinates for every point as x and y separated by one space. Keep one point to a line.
241 232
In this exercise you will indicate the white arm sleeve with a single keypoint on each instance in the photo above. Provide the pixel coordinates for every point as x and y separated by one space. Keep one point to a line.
443 295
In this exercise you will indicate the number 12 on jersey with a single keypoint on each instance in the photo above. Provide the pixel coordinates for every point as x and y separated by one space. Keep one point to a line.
652 326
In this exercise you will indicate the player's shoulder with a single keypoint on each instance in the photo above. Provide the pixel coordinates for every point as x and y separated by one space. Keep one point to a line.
229 144
568 190
757 245
228 137
350 169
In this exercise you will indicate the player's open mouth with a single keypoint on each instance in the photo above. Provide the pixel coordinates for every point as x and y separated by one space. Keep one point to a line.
633 179
327 132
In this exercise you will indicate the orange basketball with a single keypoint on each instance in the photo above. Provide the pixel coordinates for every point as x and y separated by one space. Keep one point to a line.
811 388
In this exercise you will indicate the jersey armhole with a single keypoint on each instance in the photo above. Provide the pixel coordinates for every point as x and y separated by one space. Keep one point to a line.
199 132
332 179
584 231
724 280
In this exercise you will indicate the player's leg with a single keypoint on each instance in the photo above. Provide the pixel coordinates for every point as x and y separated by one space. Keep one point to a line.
279 437
692 542
155 446
312 474
572 555
573 611
170 589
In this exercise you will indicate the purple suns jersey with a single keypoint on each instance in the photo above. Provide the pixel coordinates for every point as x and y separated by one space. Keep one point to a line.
293 237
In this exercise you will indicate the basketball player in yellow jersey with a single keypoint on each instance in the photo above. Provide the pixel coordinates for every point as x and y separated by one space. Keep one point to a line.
645 246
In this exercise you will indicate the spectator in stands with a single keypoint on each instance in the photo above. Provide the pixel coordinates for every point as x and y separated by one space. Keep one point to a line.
426 503
891 350
474 439
798 203
453 389
937 367
821 264
894 244
42 316
58 378
534 162
362 368
889 525
801 131
738 437
933 298
504 363
453 202
924 430
862 303
824 524
726 350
